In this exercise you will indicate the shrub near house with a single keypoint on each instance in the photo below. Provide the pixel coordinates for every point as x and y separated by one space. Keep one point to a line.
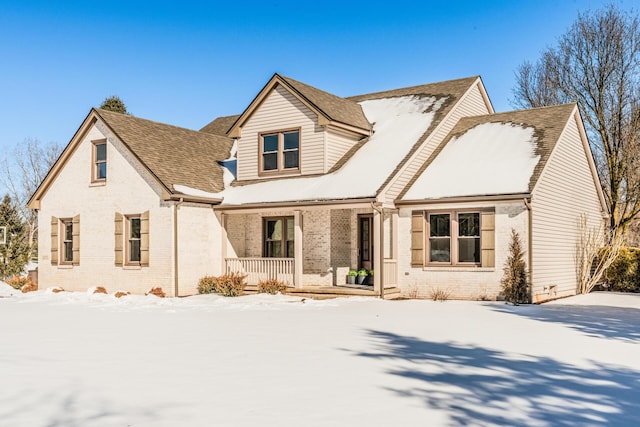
624 273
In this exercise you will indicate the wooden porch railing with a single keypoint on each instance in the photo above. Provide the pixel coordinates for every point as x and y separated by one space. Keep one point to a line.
390 273
257 269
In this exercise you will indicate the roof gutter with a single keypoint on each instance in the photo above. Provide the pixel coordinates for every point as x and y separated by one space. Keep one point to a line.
195 199
294 205
462 199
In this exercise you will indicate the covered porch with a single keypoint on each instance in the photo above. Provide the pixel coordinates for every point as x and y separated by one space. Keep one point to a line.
312 248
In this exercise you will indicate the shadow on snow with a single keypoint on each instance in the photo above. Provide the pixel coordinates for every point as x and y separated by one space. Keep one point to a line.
478 386
594 320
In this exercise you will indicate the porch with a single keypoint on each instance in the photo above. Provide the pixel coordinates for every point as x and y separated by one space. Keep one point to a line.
283 269
330 292
314 247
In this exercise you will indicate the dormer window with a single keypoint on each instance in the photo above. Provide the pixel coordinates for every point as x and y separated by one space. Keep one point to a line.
280 151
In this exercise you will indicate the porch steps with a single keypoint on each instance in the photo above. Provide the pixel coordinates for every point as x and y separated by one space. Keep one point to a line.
328 292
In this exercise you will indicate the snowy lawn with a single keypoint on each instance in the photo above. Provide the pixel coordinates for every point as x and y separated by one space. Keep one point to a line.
73 359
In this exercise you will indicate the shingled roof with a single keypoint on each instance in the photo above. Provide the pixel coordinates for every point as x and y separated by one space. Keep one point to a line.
454 88
334 107
221 125
174 155
547 123
450 90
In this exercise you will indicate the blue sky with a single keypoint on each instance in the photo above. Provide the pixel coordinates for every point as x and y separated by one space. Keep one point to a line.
187 62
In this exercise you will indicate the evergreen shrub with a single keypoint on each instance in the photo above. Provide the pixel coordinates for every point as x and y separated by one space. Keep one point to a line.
514 279
624 273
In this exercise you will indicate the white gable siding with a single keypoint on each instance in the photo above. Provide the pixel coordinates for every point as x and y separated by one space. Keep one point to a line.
125 192
472 104
338 143
281 110
564 191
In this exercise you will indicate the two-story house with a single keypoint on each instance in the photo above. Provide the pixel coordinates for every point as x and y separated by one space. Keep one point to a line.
422 185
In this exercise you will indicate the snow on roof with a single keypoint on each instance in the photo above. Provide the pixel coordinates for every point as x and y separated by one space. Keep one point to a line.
491 158
398 124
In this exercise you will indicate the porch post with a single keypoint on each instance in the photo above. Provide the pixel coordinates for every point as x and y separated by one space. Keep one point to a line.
297 249
378 251
394 235
224 243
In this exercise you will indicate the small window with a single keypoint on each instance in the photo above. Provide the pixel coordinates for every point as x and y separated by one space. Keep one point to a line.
99 161
67 240
278 237
280 151
133 243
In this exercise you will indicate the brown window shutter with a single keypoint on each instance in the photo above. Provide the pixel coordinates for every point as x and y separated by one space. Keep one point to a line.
75 225
144 239
54 240
488 238
119 231
417 238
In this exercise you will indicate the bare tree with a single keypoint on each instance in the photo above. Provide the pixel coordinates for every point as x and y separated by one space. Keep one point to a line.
24 170
596 250
597 64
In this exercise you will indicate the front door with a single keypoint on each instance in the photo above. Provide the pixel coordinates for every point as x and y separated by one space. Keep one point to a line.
365 241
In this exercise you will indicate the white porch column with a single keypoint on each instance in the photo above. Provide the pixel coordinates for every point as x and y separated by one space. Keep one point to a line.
394 235
378 251
297 249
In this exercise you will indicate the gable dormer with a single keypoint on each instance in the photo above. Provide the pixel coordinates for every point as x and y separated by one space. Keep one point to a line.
292 129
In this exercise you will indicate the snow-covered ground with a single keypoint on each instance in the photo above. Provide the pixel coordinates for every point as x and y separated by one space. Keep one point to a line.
73 359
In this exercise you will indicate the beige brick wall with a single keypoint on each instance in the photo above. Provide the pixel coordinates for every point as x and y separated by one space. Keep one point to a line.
461 283
199 246
126 191
341 244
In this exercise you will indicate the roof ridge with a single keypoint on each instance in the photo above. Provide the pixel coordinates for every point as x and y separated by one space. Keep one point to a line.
523 110
413 87
99 111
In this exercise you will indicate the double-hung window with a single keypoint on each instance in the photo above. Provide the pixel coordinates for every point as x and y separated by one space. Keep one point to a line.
278 237
469 237
440 237
67 240
280 151
131 246
99 166
454 238
133 239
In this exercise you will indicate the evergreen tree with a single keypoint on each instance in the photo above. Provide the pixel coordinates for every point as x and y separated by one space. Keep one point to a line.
14 254
514 280
115 104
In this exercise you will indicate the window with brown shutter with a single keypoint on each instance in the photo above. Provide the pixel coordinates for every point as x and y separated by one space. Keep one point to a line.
460 238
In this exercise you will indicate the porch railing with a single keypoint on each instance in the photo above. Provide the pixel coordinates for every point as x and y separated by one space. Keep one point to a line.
257 269
390 273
